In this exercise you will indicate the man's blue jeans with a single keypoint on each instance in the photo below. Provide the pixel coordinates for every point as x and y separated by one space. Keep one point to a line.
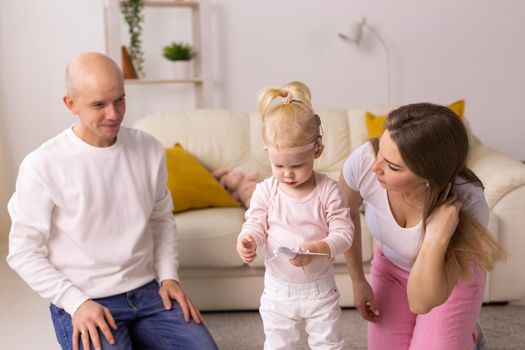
142 322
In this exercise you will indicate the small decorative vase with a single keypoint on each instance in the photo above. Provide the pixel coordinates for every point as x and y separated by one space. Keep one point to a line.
182 70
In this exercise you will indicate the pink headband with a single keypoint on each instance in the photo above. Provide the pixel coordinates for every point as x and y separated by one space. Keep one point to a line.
293 150
290 150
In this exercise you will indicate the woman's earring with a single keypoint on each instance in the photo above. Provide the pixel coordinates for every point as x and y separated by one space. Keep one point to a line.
427 184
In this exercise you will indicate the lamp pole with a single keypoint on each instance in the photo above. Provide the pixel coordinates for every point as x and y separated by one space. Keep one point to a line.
355 35
387 58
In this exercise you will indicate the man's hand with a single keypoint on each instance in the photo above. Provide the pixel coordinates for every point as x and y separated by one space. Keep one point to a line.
89 316
246 249
171 290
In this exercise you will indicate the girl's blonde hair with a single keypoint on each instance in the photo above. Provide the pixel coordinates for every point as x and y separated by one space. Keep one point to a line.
287 116
433 143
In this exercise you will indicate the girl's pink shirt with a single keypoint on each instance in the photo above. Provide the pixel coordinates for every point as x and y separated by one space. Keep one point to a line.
275 219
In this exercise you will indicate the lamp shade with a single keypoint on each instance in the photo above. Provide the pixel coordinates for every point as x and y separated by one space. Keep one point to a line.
355 33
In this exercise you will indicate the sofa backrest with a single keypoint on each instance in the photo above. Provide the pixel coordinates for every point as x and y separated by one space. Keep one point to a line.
225 138
216 137
221 138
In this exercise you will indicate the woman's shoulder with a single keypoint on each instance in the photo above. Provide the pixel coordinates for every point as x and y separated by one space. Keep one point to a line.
365 150
467 191
473 199
363 155
357 167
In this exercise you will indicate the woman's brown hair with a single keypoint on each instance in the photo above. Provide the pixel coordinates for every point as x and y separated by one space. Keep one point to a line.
434 145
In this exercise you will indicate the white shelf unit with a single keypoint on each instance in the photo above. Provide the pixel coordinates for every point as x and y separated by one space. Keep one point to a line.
200 22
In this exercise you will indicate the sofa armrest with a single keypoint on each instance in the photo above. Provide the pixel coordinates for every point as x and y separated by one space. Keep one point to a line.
504 181
507 280
499 173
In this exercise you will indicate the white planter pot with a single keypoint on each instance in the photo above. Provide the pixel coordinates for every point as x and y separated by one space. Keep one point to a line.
182 69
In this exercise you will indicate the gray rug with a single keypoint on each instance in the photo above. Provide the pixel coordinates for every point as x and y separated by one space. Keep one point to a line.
504 326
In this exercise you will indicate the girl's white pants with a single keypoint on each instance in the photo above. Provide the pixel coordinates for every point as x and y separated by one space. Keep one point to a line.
284 306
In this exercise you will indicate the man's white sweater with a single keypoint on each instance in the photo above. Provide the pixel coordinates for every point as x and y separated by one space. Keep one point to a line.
91 222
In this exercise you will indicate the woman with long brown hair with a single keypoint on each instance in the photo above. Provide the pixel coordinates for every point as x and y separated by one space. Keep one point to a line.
428 212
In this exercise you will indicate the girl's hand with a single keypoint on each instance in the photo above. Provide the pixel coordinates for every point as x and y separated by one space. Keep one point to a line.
302 260
246 248
314 247
364 300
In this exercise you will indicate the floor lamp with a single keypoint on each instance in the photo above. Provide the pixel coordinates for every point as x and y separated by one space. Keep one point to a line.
355 34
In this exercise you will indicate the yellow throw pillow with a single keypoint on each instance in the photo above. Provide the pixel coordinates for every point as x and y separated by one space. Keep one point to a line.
375 124
191 185
458 107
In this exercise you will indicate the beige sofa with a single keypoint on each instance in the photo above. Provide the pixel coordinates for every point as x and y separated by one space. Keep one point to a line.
210 269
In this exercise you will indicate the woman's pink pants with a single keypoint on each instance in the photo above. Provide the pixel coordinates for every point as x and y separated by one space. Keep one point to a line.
450 326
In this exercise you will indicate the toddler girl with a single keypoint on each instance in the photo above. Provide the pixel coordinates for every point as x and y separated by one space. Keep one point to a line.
296 208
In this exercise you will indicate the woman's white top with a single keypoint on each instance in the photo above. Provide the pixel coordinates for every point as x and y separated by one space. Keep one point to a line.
400 245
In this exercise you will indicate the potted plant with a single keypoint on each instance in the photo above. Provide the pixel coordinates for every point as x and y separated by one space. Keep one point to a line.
132 11
180 54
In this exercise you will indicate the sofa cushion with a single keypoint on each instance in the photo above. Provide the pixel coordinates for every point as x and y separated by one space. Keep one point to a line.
207 237
191 185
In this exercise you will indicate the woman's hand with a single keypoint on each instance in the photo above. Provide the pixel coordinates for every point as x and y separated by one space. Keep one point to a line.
364 300
442 222
428 285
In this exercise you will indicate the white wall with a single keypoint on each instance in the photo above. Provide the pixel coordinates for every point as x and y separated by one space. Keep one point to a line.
37 40
441 51
4 220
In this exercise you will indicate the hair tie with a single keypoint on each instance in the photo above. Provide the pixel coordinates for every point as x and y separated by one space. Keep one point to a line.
287 99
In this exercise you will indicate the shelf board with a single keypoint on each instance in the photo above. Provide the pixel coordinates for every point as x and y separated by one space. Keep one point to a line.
172 3
162 81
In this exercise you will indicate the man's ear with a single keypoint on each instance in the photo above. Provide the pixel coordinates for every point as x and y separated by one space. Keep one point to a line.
70 104
318 151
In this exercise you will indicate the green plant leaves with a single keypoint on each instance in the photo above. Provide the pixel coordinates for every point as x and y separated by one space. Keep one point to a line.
132 11
178 51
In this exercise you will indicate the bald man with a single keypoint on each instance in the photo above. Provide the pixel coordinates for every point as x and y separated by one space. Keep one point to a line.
92 226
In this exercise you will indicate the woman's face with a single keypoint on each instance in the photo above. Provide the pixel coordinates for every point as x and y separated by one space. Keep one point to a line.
390 169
